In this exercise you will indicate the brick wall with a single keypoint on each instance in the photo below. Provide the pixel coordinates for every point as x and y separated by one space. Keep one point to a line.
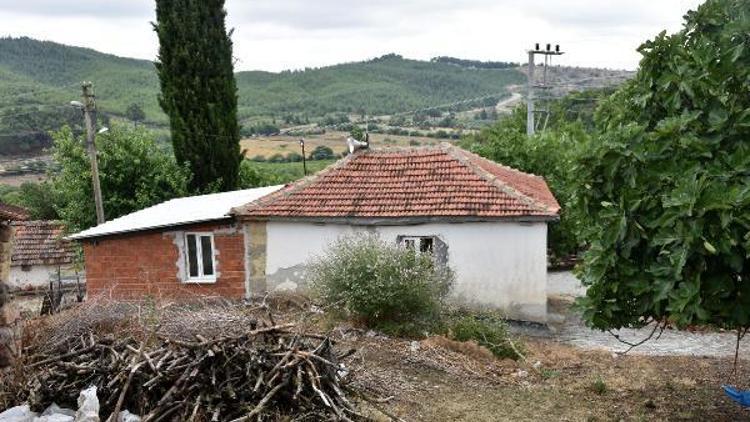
150 264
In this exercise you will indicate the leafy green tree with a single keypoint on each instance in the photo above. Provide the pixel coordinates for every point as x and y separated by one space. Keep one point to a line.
293 157
198 90
134 174
666 187
277 158
321 152
135 113
550 154
357 133
40 199
252 177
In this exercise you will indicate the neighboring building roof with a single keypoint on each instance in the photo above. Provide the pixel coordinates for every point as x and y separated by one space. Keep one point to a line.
13 213
40 243
428 183
193 209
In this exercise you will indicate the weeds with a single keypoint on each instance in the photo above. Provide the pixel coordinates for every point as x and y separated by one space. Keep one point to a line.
599 386
487 330
549 373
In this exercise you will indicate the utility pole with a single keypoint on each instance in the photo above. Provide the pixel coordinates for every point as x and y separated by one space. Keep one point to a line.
89 115
304 159
530 111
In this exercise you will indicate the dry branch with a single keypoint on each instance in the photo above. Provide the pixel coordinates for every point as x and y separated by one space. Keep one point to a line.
263 371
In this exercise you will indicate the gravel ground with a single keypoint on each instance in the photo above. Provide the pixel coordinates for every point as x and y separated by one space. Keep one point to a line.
568 328
670 343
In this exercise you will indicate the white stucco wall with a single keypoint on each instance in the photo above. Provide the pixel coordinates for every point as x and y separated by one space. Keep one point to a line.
564 284
501 265
38 276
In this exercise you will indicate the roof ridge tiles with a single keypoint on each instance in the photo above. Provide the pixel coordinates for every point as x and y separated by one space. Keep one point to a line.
397 181
465 157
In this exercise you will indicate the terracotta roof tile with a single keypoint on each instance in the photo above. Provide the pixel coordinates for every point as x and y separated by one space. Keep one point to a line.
40 243
13 213
443 181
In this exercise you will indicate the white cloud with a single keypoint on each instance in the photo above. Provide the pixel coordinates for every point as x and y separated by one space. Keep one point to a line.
281 34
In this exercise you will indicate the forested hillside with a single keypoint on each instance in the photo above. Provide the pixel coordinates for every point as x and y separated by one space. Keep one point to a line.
38 79
383 85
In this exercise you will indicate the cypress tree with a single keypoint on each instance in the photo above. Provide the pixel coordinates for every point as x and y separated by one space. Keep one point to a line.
198 90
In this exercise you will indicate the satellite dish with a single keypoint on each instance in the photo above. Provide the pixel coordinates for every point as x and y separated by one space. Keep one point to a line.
354 144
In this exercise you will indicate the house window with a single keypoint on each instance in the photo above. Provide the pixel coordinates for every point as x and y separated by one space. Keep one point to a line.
199 254
423 244
26 268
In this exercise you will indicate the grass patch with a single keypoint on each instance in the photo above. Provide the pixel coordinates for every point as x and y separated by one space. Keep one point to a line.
487 330
292 171
598 386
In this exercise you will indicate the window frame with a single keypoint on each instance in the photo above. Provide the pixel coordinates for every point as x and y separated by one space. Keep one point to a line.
417 243
201 277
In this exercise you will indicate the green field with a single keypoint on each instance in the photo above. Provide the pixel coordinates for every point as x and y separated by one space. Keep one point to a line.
289 172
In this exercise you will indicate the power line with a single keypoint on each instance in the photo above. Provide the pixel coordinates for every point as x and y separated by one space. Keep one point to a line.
530 112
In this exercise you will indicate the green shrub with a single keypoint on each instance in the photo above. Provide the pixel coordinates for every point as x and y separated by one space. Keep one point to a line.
259 158
293 157
488 331
322 152
277 158
386 287
251 176
599 386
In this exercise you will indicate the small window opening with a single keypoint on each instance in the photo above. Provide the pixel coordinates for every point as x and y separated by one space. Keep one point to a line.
26 268
423 244
199 252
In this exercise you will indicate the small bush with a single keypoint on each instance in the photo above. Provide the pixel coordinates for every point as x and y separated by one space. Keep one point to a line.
381 285
599 386
322 152
259 158
277 158
293 157
488 331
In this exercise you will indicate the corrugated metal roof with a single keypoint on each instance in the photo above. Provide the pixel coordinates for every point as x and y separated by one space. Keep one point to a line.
193 209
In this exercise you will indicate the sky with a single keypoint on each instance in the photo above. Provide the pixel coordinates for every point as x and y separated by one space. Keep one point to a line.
275 35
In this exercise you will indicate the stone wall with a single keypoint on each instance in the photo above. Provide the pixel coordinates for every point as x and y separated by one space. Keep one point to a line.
10 321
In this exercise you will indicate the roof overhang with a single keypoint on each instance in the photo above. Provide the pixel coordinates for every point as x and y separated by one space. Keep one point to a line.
404 221
81 237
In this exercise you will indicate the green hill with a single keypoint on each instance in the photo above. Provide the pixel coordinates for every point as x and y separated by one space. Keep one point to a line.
38 79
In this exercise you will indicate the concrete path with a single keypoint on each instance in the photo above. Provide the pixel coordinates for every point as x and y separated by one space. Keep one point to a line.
567 327
670 343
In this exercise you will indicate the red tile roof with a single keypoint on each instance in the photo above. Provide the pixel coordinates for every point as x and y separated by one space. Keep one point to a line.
40 243
431 182
13 213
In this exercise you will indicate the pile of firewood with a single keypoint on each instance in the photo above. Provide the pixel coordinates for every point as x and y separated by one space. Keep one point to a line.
268 372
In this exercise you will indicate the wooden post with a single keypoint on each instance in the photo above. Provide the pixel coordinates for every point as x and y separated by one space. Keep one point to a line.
89 114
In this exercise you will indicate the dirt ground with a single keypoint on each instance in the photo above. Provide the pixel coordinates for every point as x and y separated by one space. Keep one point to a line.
284 144
433 384
431 380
